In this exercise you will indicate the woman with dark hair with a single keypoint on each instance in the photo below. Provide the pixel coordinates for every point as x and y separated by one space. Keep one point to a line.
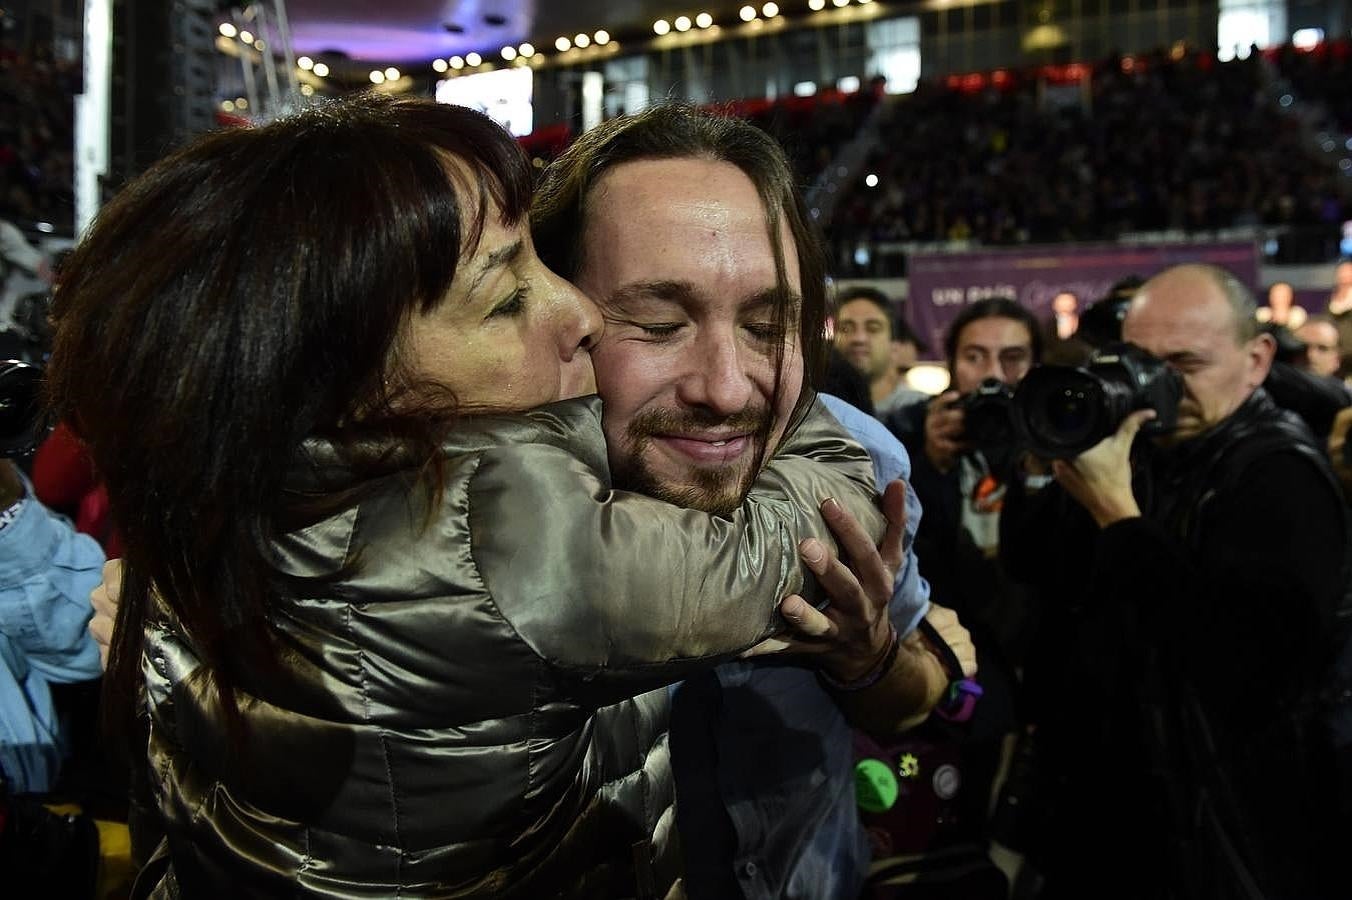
384 623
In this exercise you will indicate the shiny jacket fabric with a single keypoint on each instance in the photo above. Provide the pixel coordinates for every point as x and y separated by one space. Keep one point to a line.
454 718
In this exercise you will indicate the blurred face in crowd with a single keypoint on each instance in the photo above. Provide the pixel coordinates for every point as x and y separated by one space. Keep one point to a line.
1065 304
677 254
994 347
1280 298
506 313
1342 277
1183 317
1321 347
864 337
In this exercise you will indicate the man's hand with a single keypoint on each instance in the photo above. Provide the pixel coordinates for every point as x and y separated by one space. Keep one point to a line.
1100 478
943 431
853 634
945 623
104 599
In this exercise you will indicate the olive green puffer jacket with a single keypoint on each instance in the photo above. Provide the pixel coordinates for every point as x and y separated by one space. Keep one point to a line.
471 711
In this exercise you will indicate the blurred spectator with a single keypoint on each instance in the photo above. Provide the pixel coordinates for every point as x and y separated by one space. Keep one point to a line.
864 333
1320 337
1281 308
1062 345
1066 314
1340 311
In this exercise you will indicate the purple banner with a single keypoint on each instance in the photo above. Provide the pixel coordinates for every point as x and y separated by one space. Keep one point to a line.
941 284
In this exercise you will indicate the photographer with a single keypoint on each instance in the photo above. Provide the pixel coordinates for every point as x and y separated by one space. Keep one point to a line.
960 477
1187 759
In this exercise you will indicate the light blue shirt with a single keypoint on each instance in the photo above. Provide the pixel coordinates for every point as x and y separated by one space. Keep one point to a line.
47 570
764 759
910 599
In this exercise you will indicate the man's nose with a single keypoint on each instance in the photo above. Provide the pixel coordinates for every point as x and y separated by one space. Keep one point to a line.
991 368
716 376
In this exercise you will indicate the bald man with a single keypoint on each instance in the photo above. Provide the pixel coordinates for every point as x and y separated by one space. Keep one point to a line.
1213 561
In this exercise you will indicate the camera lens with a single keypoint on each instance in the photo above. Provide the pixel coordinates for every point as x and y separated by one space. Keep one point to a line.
1063 410
1069 414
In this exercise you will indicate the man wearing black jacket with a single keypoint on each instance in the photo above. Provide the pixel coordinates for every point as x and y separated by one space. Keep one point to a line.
1186 759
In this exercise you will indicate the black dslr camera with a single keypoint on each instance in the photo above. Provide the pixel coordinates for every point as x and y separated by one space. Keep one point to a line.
1065 410
988 420
21 419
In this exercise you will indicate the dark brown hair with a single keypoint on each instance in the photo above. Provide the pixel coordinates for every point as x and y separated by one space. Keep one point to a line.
679 131
992 308
246 293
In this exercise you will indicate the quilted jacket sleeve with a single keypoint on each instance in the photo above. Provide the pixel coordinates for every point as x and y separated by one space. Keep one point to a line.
615 585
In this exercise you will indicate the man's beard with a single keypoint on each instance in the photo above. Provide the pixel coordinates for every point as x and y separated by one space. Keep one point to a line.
718 490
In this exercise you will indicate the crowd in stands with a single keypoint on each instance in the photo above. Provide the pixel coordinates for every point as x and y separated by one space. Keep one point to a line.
812 129
1323 74
37 123
1165 141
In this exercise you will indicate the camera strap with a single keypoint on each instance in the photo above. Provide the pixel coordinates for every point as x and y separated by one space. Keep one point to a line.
959 701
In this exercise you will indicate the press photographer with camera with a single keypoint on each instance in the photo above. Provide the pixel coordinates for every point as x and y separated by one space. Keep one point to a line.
964 451
1190 758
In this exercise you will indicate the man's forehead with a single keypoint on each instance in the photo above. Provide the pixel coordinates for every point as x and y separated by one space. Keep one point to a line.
708 191
690 219
1323 331
995 332
1178 315
859 308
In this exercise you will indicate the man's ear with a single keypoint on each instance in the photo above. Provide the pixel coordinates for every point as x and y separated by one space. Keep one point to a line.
1261 351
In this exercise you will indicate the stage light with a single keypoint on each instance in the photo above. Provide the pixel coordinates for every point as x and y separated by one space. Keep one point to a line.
228 30
770 10
391 74
509 53
473 59
602 37
377 76
305 63
321 70
661 26
581 40
526 50
562 44
456 62
439 65
747 13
